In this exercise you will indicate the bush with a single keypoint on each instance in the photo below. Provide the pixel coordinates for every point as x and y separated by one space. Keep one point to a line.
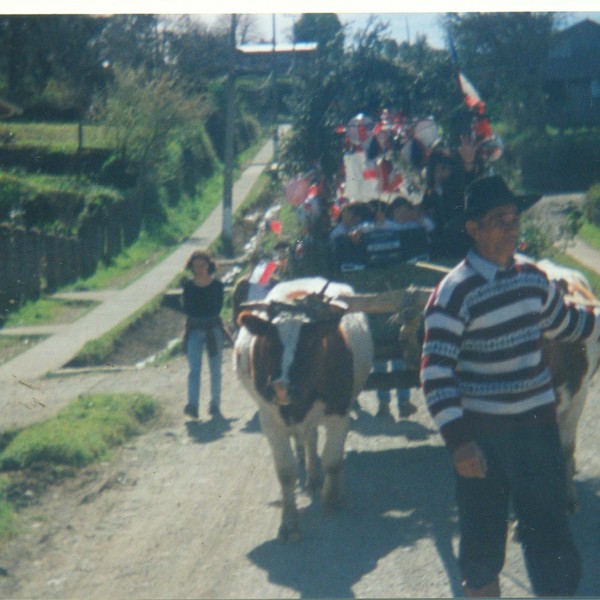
535 241
592 205
558 162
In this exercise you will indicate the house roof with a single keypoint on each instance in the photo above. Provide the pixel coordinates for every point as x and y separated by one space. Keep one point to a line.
264 48
574 53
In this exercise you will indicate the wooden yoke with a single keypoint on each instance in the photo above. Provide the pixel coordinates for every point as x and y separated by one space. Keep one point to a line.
387 302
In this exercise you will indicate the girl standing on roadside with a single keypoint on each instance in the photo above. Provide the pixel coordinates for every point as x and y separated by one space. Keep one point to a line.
202 303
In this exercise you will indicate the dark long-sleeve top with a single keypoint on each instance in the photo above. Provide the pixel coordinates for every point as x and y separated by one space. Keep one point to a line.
203 302
482 349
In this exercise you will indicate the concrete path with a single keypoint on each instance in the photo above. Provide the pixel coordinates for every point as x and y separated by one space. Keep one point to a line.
65 342
586 255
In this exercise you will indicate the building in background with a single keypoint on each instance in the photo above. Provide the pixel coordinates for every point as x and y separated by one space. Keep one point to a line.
571 76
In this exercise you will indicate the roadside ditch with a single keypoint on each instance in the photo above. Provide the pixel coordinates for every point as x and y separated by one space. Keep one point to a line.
156 334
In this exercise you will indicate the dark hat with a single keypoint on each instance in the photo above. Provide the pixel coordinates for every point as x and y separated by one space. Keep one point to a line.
489 192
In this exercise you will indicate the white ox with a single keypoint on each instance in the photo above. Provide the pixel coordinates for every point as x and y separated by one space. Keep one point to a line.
572 364
304 360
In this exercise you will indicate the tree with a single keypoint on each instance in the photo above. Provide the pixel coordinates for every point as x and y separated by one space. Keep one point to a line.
502 54
134 41
53 58
323 28
247 29
433 88
312 103
374 73
144 112
199 53
372 79
18 55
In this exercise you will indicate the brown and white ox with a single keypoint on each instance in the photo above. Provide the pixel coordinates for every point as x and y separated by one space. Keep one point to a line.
572 364
304 360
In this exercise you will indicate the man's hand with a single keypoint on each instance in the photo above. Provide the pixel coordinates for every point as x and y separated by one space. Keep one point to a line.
469 461
468 151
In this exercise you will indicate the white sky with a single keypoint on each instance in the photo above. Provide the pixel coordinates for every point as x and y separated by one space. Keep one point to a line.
402 24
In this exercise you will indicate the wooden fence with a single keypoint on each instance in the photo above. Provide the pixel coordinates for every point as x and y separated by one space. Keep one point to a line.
33 263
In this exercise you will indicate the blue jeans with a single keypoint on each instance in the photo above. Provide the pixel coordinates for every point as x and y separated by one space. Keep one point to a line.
196 341
384 396
525 465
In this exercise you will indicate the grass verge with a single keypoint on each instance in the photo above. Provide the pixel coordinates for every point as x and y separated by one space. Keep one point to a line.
568 261
59 137
82 433
13 345
125 268
48 310
590 234
146 252
95 352
151 247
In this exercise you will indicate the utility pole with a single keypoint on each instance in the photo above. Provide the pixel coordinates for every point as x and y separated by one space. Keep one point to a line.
227 229
274 99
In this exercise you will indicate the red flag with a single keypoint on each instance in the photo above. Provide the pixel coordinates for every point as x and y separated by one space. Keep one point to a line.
276 227
262 272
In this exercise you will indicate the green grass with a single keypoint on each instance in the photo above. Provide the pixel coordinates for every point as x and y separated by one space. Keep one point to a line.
11 346
590 234
139 258
7 517
58 137
151 247
568 261
81 433
256 194
95 352
48 310
125 268
84 432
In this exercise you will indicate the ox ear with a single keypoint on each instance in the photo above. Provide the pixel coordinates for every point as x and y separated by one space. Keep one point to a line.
253 323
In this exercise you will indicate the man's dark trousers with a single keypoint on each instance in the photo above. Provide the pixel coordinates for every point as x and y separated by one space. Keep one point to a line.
525 465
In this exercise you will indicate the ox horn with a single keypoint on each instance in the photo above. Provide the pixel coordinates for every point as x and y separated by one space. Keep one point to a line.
322 292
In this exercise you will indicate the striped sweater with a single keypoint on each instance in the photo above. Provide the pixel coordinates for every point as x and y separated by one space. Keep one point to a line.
482 350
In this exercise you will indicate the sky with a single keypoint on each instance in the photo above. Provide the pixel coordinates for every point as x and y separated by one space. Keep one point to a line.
403 25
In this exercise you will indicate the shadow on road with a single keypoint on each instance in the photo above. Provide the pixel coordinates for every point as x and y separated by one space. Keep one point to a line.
253 425
394 498
368 425
204 432
586 530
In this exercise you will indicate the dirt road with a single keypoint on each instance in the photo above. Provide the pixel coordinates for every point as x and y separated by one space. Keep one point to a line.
190 511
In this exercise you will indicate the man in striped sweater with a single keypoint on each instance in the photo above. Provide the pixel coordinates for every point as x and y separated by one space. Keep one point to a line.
492 398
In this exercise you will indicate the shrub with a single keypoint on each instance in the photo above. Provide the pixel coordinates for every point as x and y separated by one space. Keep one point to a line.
558 162
535 241
592 204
